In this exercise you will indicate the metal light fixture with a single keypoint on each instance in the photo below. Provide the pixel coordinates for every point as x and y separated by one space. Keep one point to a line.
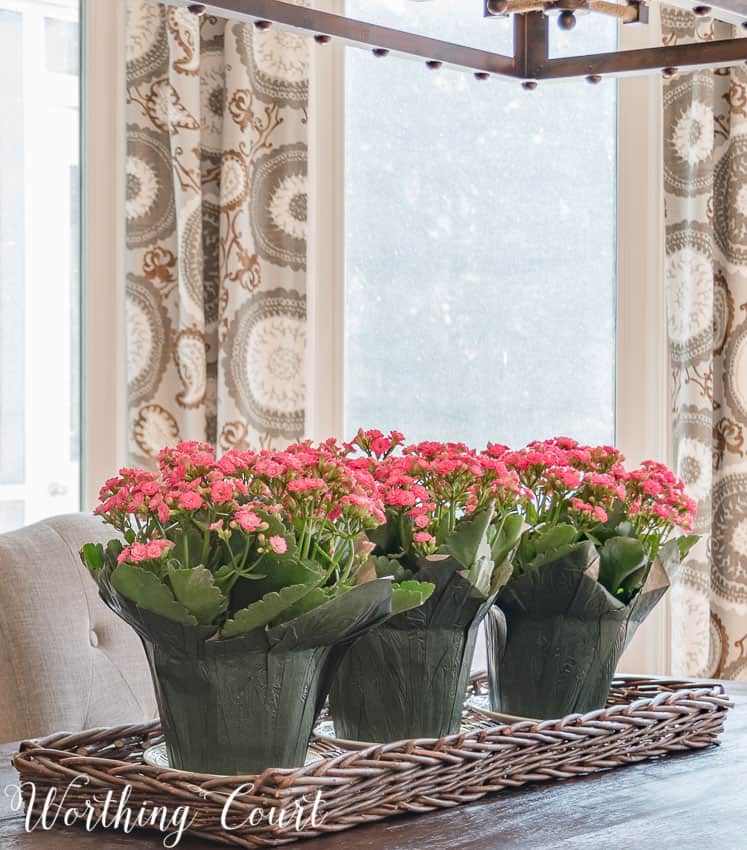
530 61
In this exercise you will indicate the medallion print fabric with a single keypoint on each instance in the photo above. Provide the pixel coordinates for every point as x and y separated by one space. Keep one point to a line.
217 118
705 183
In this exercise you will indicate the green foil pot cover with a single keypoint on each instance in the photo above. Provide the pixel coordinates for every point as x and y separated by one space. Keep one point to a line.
555 636
247 703
408 678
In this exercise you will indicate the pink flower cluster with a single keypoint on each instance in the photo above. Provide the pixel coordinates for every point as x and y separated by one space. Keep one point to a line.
312 490
561 479
139 552
333 491
434 484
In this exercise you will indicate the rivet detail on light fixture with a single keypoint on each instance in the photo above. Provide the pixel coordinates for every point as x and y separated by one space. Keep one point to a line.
482 75
594 79
434 64
668 73
529 85
701 11
380 52
497 7
197 8
263 25
566 20
322 39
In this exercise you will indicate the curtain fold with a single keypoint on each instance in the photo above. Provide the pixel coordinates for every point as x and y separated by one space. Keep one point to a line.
705 185
216 231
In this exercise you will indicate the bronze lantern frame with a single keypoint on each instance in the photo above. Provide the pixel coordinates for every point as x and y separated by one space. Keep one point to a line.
530 62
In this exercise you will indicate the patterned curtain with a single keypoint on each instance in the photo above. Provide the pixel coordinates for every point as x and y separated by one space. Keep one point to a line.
705 177
216 230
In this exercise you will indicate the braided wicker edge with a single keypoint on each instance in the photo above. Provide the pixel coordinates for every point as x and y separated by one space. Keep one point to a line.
359 784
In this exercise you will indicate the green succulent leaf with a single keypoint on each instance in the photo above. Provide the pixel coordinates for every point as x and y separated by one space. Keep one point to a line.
275 573
265 611
468 540
410 594
619 559
313 599
507 538
554 538
197 591
386 567
113 551
150 593
93 557
685 543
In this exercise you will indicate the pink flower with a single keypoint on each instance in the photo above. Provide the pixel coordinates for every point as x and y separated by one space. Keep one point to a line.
247 519
221 492
423 537
156 548
190 501
278 544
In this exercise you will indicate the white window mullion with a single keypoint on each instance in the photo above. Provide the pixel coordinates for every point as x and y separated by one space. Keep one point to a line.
50 112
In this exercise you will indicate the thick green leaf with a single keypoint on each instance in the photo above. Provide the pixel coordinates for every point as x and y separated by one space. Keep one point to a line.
410 594
686 543
197 591
340 619
113 551
507 537
550 555
145 589
620 558
188 547
316 597
390 567
386 536
275 573
92 555
554 538
470 534
263 612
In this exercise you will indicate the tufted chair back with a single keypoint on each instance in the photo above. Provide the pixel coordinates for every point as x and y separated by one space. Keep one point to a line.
67 662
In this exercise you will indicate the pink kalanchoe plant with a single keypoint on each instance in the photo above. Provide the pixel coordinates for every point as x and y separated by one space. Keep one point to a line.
429 489
242 576
238 527
451 521
571 493
597 554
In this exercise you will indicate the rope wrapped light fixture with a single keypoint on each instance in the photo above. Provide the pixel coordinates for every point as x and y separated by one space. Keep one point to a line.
530 62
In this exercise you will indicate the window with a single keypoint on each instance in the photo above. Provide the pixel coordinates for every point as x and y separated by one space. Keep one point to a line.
39 260
480 239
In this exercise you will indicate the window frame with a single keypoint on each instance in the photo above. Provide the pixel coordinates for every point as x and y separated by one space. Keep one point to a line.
642 414
103 422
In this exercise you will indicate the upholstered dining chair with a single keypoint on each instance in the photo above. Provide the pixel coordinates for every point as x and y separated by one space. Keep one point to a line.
66 661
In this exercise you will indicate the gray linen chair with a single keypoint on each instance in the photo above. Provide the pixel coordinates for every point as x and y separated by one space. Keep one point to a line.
66 661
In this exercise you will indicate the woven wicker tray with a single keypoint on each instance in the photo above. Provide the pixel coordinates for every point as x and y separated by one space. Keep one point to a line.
355 785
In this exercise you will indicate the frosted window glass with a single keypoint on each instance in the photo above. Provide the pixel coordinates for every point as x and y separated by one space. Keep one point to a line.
39 260
480 243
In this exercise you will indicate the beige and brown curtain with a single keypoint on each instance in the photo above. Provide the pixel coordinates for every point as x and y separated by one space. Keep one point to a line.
705 177
216 230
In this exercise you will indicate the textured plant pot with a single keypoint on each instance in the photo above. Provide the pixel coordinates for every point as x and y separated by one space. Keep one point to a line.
231 709
408 678
555 636
248 703
400 683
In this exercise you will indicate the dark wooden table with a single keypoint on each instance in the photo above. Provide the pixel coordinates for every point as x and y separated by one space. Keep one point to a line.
695 800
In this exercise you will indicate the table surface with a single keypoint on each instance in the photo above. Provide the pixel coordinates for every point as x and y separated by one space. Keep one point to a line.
693 800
